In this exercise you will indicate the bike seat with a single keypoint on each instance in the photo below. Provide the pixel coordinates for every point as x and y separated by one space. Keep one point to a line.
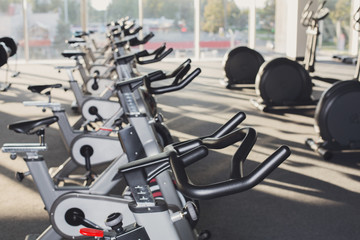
27 126
72 53
40 88
75 40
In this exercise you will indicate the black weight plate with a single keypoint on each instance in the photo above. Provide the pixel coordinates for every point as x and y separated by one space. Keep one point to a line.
241 65
339 117
328 94
282 81
10 43
3 56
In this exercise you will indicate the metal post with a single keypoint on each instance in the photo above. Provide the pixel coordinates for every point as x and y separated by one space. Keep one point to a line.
197 29
252 24
83 12
26 32
353 35
141 20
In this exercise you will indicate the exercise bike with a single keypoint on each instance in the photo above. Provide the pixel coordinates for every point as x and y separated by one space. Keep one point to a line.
336 115
98 147
282 82
101 76
101 108
73 207
154 219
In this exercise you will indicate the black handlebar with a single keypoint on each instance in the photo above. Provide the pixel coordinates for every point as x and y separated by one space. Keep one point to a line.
160 75
228 126
136 42
180 155
230 186
128 32
158 54
225 129
175 85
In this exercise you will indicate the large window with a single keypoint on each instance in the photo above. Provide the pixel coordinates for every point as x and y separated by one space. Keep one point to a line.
223 24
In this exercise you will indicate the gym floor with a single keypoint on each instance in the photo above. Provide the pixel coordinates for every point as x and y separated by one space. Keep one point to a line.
305 198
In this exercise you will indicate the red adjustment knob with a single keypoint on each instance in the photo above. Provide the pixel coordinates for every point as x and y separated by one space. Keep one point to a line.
90 232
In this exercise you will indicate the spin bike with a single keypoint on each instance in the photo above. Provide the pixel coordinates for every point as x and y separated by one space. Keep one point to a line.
336 115
71 208
101 76
155 219
98 147
101 108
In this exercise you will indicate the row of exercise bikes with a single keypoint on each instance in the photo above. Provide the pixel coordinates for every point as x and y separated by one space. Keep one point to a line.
159 200
285 84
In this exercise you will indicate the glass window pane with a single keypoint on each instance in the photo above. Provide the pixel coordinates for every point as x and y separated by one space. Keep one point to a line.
171 21
11 18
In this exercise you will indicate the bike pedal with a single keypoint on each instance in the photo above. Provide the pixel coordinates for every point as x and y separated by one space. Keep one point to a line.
32 236
204 235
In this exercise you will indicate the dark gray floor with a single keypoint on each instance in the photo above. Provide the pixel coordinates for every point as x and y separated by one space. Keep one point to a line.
305 198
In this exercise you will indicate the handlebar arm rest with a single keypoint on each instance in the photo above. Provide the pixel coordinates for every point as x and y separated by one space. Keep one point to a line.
179 69
157 58
127 25
194 155
132 82
152 165
156 76
186 146
231 138
136 42
162 76
173 87
157 51
128 32
216 143
230 186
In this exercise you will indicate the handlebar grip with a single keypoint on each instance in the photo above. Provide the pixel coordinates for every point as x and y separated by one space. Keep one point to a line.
173 87
230 186
157 57
228 126
179 72
156 75
226 140
145 53
135 41
183 147
194 155
179 69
